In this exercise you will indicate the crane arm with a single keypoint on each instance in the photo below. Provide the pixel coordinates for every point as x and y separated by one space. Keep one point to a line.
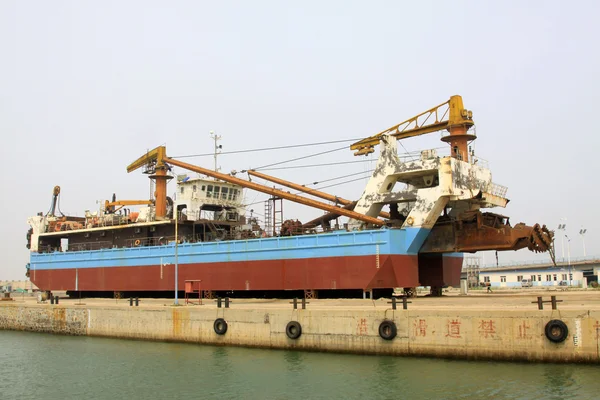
274 192
312 192
112 206
445 116
156 155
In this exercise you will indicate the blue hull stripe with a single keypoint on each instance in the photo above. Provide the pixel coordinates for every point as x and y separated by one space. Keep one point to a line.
336 244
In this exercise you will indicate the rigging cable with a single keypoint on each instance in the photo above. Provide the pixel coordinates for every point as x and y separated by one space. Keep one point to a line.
268 148
339 177
314 165
299 158
319 188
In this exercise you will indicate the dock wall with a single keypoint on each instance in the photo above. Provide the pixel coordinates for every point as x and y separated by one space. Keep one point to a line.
492 335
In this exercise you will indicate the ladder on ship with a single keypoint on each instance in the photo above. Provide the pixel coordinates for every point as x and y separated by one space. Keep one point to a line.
273 215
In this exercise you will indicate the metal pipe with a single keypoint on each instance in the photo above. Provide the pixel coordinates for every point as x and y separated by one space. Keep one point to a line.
312 192
274 192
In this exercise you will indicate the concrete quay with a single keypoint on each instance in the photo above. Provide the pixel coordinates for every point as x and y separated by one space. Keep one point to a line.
478 326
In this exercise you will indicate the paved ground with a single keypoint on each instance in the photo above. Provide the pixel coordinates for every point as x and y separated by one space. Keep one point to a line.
476 300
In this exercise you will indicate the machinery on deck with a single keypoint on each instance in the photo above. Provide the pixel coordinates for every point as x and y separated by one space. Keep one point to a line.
434 216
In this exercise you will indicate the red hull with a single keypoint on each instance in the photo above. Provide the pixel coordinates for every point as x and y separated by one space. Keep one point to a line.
359 272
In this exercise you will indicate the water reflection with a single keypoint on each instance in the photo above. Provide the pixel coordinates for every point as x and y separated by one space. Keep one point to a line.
94 368
559 381
294 361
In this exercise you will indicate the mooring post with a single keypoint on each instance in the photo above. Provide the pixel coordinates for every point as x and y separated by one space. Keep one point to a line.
404 303
295 303
55 299
226 302
131 302
218 302
137 301
540 303
304 303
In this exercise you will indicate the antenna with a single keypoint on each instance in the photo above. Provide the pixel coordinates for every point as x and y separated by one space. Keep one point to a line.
218 148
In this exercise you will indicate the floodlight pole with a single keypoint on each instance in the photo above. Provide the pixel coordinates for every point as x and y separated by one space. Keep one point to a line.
562 227
582 233
569 257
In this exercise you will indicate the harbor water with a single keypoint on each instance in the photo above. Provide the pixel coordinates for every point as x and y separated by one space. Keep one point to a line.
43 366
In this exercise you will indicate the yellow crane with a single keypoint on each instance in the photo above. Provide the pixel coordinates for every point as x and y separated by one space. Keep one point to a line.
111 207
450 115
154 164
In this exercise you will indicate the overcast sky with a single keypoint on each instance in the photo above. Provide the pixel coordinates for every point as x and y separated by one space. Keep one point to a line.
87 87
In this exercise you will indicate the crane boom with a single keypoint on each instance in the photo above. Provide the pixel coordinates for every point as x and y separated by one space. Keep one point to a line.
312 192
112 206
458 120
274 192
154 161
156 155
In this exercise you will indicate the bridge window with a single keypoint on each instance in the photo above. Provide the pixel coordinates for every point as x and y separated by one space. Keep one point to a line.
203 188
217 192
503 279
224 191
209 191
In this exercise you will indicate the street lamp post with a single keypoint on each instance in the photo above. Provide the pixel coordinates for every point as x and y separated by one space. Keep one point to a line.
176 260
569 257
562 227
582 233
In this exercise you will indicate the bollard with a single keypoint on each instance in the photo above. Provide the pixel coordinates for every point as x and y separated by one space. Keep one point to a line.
295 303
56 300
51 299
226 302
304 303
405 303
130 301
218 302
540 302
137 301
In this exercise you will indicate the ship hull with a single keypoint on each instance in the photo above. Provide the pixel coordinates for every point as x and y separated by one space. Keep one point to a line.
340 260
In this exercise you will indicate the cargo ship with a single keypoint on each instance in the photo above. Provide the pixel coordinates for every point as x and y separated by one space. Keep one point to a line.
410 227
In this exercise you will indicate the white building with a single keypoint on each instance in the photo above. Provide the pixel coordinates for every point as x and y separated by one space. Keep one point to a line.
578 274
11 286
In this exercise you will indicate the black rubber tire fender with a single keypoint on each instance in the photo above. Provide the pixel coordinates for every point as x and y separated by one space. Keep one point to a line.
220 326
293 329
388 330
556 331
